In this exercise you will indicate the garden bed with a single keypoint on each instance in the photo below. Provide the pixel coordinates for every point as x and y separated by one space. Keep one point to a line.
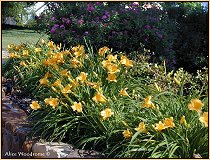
17 144
104 101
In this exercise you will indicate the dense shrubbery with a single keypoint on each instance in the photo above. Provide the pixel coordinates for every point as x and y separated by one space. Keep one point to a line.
122 26
102 100
191 43
175 31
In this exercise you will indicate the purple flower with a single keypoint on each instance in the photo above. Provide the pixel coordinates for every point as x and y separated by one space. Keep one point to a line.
73 31
62 26
98 3
104 17
90 7
53 30
80 21
86 33
53 18
56 26
135 4
147 27
97 18
63 19
107 13
68 21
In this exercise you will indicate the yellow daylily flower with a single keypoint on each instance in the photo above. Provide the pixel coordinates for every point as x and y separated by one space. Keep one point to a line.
49 53
77 107
38 50
23 63
168 122
58 58
45 62
48 74
204 119
35 105
123 92
75 63
51 101
103 50
67 89
111 58
159 126
112 68
57 83
74 83
112 77
106 113
43 81
195 104
78 50
93 84
64 73
50 44
125 61
106 63
82 77
13 55
99 98
127 134
10 46
148 103
141 128
25 53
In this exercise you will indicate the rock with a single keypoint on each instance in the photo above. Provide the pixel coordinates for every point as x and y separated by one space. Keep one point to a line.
61 150
52 149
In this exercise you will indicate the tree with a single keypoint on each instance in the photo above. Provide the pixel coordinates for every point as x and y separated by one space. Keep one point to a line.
15 9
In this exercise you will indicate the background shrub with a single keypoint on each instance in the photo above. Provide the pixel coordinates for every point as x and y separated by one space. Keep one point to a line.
119 25
174 31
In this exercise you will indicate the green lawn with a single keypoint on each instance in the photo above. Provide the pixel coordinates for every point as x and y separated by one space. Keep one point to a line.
14 36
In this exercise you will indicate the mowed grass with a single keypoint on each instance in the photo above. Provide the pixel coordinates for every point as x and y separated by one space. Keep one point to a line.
15 36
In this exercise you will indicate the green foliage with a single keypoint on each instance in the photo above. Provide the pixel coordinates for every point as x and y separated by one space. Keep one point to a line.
15 9
190 45
119 25
119 123
174 31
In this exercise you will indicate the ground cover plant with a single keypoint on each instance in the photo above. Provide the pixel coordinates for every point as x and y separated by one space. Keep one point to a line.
105 100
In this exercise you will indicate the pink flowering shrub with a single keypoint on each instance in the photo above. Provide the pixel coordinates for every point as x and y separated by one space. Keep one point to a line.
119 25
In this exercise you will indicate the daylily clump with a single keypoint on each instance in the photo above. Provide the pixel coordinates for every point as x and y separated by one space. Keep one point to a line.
97 99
